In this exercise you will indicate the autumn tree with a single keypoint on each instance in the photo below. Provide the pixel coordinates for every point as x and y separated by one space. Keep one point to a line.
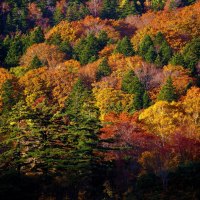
50 56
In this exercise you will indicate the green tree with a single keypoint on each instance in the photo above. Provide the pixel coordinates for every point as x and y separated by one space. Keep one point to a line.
102 39
177 59
78 96
145 45
58 16
191 54
87 49
159 38
146 100
35 63
129 8
132 85
36 36
76 11
125 47
165 52
103 69
168 92
109 9
9 95
150 55
14 52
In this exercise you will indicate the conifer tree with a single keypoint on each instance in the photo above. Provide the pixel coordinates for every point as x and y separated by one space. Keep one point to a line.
128 8
109 9
35 63
146 100
150 55
165 52
102 39
76 99
58 16
87 49
132 85
103 69
14 52
145 45
168 91
191 54
177 59
159 38
36 36
125 47
8 95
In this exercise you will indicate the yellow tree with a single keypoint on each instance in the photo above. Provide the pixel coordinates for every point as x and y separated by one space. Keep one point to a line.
191 105
111 100
163 118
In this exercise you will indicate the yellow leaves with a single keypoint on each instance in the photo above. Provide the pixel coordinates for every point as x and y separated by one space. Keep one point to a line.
163 118
65 30
111 100
54 84
191 104
72 66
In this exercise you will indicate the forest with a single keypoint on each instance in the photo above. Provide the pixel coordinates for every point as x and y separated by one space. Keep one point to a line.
99 99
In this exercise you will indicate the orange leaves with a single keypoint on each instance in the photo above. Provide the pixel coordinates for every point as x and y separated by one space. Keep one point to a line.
178 26
180 77
49 55
73 31
54 84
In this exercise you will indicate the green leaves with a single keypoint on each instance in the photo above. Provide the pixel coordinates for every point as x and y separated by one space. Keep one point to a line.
168 91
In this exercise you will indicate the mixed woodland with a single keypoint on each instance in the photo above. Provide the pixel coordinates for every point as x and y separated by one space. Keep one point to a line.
99 99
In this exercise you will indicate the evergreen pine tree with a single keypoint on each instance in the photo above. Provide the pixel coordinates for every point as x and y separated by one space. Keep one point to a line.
109 9
145 45
102 39
36 36
128 8
191 54
125 47
158 61
9 97
159 38
76 99
132 85
146 100
58 16
168 91
35 63
103 69
165 52
150 56
177 59
87 49
14 52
